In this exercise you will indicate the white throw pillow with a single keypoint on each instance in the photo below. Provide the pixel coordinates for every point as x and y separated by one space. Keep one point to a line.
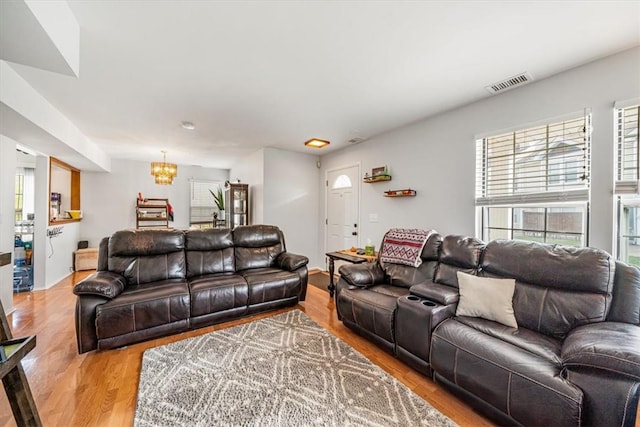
486 297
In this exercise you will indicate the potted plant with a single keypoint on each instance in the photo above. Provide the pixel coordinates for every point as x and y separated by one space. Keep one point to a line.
218 198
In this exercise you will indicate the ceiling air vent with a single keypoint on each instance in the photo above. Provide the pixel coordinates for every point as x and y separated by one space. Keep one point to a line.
510 83
356 140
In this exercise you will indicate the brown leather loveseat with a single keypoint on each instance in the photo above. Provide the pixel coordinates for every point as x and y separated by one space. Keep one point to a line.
572 360
152 283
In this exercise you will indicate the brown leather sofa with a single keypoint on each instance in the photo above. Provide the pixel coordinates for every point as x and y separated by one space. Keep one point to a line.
152 283
573 360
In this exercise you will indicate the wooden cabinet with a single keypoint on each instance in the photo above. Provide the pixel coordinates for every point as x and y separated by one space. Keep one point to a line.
152 213
236 203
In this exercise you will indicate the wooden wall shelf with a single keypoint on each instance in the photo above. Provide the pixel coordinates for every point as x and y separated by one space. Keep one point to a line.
152 213
379 178
400 193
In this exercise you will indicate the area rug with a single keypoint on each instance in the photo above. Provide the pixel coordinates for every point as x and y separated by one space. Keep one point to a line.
284 370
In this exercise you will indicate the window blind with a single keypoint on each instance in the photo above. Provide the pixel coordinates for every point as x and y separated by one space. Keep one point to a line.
202 205
628 161
541 164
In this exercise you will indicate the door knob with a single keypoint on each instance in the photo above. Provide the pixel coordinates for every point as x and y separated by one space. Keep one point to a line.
354 233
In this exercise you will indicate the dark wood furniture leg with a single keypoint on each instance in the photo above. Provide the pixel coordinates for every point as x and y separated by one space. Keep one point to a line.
332 286
16 386
342 257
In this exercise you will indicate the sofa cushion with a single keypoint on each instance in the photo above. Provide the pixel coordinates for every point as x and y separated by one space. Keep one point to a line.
142 307
441 294
487 298
133 243
370 310
363 275
145 256
257 246
530 389
534 342
551 266
212 293
209 251
291 262
102 284
557 288
270 284
610 346
458 253
625 306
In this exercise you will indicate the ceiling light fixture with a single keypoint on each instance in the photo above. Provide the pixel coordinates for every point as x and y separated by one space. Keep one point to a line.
317 143
188 125
164 172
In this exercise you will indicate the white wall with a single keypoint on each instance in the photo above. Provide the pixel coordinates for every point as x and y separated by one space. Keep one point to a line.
7 212
292 199
284 192
109 199
436 156
41 223
59 253
251 171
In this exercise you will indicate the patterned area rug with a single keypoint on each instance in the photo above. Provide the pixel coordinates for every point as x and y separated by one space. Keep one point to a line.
285 370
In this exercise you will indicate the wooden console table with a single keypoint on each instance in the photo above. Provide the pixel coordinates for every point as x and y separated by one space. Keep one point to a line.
347 256
14 379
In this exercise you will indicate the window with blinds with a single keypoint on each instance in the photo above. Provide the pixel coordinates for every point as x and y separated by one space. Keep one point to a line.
533 184
202 205
627 186
539 164
628 161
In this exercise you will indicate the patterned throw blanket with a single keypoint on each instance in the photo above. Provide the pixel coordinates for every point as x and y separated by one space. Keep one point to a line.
404 246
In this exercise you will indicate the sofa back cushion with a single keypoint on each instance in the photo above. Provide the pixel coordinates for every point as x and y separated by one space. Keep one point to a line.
103 255
557 287
625 306
458 253
257 246
209 251
406 275
144 256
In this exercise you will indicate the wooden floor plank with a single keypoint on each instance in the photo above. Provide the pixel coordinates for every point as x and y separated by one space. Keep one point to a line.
100 388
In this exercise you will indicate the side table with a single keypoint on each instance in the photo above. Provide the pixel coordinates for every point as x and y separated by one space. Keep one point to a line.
342 256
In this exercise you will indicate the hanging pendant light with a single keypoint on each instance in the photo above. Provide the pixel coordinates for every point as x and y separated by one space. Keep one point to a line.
164 172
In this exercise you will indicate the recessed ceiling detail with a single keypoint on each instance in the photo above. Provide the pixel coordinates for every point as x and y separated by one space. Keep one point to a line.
510 83
356 140
187 125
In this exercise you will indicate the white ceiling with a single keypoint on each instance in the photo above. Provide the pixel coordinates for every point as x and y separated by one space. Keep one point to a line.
276 73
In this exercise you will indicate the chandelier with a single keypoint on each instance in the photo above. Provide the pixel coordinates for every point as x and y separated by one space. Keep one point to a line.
164 172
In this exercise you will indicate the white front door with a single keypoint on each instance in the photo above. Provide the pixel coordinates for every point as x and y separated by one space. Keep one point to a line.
343 201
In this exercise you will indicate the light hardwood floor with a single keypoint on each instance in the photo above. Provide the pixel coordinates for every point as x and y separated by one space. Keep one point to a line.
99 388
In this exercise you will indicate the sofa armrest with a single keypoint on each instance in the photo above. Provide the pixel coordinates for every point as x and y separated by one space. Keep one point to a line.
442 294
103 284
291 262
610 346
363 275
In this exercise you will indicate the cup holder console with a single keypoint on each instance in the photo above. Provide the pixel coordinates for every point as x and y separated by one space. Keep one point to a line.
426 302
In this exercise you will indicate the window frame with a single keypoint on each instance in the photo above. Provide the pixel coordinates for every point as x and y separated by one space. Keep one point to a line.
626 191
571 189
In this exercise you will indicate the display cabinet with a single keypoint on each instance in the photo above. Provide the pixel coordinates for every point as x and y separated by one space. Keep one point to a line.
152 213
236 203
